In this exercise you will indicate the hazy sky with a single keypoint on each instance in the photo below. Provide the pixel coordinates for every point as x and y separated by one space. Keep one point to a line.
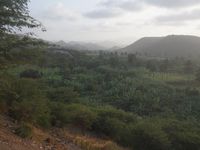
115 20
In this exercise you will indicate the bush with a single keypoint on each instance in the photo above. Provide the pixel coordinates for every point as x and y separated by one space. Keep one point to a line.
149 136
63 94
34 74
81 116
114 123
24 131
111 146
117 114
6 94
3 62
75 114
185 140
28 103
111 127
59 114
44 120
183 135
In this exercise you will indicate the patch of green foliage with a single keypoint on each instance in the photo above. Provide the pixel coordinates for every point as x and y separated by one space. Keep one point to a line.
24 131
116 100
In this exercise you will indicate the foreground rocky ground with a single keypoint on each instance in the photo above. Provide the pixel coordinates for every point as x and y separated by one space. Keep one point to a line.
39 141
55 139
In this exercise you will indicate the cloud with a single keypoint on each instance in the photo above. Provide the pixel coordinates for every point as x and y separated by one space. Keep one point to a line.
172 3
113 8
136 5
127 5
102 13
109 19
59 12
124 24
180 17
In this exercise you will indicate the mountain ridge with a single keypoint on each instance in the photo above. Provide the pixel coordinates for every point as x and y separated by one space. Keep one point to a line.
167 46
76 45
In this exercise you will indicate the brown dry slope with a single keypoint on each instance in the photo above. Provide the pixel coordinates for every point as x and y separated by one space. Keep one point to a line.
55 139
9 141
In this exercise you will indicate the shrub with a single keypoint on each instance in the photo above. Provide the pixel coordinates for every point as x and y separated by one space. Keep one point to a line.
59 114
148 136
6 94
24 131
108 126
44 120
75 114
80 116
63 94
34 74
117 114
28 102
111 146
114 123
185 140
3 62
183 135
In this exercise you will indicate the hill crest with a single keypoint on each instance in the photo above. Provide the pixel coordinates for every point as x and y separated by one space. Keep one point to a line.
168 46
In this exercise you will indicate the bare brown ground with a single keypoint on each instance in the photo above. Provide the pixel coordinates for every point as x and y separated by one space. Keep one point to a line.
40 141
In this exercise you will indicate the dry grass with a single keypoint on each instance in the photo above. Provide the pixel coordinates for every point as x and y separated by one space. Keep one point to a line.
61 139
91 143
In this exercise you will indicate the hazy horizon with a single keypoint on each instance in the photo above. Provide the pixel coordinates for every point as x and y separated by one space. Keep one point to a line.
121 21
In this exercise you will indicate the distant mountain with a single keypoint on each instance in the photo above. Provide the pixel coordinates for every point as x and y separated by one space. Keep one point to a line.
169 46
80 45
110 45
114 48
91 46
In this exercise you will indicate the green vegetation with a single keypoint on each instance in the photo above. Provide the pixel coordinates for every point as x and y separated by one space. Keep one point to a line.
128 103
24 131
143 104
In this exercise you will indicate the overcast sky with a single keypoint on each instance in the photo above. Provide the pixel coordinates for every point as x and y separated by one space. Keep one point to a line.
115 20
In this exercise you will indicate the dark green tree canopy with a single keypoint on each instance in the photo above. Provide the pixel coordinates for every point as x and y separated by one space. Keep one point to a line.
14 15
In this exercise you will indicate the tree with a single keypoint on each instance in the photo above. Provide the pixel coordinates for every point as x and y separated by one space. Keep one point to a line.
152 65
114 60
14 16
188 67
164 65
198 75
131 58
63 94
149 136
